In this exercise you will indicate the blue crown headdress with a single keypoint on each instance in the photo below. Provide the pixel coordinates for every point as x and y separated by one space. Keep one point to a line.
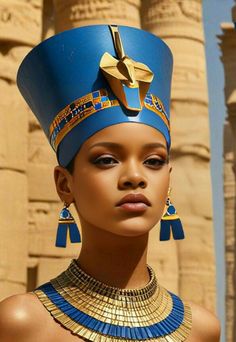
83 80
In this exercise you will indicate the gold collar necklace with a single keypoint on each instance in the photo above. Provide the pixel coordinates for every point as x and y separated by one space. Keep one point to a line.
102 313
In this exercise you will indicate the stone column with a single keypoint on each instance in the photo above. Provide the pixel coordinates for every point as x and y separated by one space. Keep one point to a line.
179 23
228 48
75 13
19 30
229 198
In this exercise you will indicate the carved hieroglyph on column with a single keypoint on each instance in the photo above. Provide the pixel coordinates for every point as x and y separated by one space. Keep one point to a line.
19 23
76 13
179 23
228 48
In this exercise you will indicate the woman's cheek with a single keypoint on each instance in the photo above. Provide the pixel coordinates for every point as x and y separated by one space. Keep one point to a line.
90 193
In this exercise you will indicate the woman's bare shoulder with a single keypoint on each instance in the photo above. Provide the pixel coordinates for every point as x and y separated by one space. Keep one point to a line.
20 317
205 325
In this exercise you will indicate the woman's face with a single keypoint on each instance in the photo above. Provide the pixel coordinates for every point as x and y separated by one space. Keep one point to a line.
124 159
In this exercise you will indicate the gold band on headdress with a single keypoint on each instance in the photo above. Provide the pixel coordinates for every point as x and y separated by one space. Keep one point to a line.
90 104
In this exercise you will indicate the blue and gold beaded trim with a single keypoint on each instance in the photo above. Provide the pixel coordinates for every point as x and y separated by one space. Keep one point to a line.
90 104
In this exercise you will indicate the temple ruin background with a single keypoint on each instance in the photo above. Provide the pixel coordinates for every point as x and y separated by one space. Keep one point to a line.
29 205
228 49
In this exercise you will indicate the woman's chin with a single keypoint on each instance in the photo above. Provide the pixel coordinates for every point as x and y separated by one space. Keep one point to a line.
132 229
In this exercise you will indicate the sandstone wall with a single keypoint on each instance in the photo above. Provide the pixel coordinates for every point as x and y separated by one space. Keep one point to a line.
228 48
19 30
229 198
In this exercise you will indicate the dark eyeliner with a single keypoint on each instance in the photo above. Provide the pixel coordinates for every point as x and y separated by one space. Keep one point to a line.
100 160
157 162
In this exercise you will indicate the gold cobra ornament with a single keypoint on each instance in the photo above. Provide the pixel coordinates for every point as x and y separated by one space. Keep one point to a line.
129 80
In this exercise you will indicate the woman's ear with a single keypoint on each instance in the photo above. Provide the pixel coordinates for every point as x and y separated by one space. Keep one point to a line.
63 182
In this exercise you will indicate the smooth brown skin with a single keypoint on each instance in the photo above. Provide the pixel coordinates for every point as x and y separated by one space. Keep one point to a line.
115 242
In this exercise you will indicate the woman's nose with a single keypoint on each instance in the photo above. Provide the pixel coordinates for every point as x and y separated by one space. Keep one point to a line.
132 177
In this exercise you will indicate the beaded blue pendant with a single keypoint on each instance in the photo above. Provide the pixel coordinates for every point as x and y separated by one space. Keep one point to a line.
66 222
170 222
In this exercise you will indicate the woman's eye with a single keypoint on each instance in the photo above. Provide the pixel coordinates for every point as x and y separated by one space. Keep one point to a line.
155 162
105 161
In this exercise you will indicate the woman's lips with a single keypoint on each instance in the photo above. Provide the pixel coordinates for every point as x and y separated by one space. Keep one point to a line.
134 202
135 207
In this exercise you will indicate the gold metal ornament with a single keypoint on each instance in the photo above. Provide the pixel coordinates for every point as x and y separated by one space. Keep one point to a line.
123 73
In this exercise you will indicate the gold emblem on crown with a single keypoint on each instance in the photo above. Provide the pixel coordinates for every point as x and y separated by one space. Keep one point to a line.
128 79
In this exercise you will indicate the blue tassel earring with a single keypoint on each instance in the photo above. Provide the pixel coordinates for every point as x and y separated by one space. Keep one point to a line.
170 222
66 221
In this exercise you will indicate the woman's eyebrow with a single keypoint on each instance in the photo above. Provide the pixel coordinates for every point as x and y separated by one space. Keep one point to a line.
107 144
152 145
120 146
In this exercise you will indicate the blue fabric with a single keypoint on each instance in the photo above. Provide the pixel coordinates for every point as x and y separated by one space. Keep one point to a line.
65 67
165 327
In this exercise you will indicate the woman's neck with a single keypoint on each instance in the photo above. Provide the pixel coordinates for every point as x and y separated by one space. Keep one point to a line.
115 260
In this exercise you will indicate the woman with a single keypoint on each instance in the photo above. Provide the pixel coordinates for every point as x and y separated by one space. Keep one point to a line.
86 86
